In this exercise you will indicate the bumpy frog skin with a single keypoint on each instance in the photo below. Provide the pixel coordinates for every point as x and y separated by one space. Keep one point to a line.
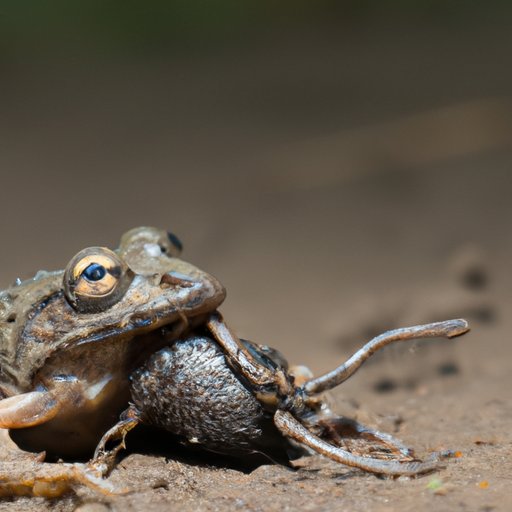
70 339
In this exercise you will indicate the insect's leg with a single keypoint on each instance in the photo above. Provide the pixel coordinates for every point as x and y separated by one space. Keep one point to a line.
238 353
267 383
104 458
447 329
290 427
344 432
388 440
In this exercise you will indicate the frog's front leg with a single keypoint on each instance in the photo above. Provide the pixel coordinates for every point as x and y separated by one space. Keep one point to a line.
65 415
20 472
41 405
29 409
25 473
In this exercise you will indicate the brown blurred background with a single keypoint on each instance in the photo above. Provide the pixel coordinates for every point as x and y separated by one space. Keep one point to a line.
343 167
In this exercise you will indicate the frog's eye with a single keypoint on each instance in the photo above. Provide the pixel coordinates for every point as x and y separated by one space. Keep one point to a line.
176 245
167 243
140 245
95 279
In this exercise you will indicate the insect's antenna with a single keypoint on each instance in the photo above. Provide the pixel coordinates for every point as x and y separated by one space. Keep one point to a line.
447 329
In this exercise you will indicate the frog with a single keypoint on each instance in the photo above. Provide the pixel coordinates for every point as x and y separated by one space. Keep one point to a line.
70 339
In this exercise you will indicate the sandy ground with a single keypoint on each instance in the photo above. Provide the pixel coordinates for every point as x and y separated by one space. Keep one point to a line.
339 183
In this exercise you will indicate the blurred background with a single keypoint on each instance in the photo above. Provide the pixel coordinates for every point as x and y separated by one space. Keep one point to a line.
343 167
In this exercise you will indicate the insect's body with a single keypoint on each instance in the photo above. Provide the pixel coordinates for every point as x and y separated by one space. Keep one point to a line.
229 396
189 390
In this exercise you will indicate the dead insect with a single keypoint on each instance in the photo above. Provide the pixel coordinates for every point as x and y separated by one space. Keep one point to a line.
235 397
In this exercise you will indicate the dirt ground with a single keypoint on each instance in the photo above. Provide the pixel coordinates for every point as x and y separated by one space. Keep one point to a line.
339 184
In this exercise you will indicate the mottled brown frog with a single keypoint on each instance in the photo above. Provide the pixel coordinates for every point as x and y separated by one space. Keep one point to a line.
69 340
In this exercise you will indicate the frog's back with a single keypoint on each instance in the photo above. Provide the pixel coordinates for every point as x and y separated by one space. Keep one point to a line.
18 353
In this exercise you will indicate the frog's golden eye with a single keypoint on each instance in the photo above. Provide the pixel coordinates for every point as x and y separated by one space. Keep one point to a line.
95 279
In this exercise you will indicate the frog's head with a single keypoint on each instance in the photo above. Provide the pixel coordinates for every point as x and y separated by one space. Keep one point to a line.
143 279
140 287
103 295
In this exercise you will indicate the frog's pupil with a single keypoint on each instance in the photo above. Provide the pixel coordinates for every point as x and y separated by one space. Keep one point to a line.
95 272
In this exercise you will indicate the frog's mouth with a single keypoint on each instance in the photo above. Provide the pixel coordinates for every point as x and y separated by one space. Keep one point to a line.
184 304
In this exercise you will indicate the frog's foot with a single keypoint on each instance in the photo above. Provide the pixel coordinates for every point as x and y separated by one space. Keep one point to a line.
50 481
25 474
92 478
104 458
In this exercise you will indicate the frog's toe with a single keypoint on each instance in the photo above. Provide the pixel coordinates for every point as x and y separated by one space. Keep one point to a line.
24 473
27 409
33 478
93 478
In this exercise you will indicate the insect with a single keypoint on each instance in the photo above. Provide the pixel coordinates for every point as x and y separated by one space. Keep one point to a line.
134 336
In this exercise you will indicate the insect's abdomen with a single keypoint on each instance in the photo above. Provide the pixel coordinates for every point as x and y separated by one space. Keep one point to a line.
189 390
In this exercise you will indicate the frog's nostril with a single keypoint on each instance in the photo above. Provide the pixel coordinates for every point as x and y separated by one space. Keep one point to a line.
171 279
